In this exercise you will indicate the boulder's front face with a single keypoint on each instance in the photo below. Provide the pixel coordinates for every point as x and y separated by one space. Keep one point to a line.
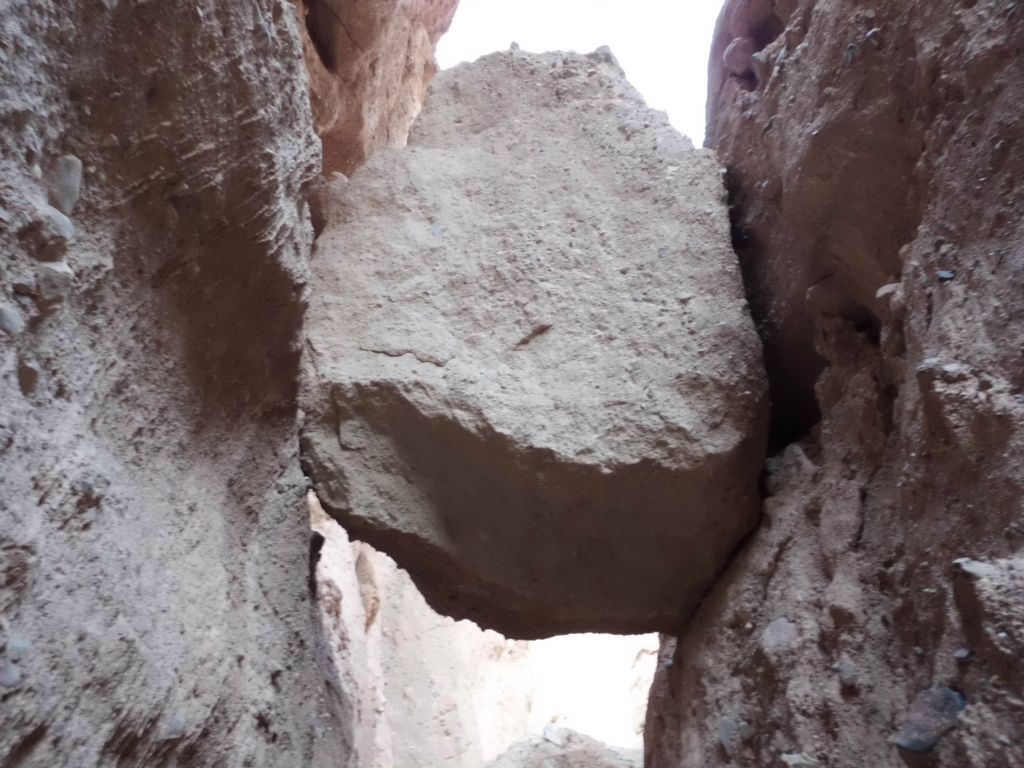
531 375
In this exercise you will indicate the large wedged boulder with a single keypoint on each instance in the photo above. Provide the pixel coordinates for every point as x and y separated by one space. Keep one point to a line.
531 376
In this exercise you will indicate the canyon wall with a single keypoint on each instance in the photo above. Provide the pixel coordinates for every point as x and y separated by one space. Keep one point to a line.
154 542
875 166
157 605
429 690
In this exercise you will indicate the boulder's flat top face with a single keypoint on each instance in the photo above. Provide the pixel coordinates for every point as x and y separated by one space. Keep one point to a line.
531 374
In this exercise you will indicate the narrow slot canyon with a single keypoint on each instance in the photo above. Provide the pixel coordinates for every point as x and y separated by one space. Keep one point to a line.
507 384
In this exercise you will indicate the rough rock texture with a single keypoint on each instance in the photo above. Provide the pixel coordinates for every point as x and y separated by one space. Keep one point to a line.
875 162
561 748
531 376
369 65
426 690
431 691
153 609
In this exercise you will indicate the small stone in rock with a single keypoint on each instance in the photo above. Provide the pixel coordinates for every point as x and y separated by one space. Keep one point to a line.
18 646
65 183
55 280
24 285
946 275
963 655
49 232
849 676
972 569
933 714
799 760
732 733
10 675
11 320
28 377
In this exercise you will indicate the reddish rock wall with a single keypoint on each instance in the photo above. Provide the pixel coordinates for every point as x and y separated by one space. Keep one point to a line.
369 66
531 376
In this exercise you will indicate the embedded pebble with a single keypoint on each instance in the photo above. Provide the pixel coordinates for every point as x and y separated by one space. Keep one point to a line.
849 676
18 646
10 675
732 733
973 569
55 280
65 183
888 290
799 760
25 285
28 376
50 232
780 636
175 727
933 714
11 320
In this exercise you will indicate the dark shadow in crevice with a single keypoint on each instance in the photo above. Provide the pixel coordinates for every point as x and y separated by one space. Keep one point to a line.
318 26
767 31
794 406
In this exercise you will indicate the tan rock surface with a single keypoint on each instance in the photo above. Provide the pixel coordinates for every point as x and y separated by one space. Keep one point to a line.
531 376
877 175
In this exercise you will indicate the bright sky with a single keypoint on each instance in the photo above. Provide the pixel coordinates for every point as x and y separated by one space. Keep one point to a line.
661 44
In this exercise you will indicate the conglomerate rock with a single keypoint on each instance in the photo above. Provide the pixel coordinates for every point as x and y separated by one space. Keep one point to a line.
531 376
153 544
875 166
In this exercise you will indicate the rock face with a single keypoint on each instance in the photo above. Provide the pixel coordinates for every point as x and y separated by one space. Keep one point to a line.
427 690
875 166
153 605
369 65
560 748
531 376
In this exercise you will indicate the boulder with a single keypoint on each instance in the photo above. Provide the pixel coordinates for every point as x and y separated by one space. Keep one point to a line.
530 375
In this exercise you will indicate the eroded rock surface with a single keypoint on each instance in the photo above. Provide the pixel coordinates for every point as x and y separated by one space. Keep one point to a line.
531 376
153 544
877 174
369 66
